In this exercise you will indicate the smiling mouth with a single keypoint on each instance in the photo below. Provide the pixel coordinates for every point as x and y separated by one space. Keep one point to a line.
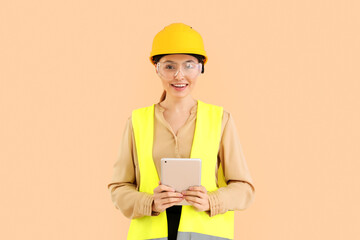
182 85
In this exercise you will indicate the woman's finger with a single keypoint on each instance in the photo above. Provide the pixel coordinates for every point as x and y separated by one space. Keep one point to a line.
170 200
165 195
194 193
198 188
163 188
161 204
165 206
200 206
194 199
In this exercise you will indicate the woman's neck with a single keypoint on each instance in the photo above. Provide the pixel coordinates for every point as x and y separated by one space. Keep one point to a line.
178 104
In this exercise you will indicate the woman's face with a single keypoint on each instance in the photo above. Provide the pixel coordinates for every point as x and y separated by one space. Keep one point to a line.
181 79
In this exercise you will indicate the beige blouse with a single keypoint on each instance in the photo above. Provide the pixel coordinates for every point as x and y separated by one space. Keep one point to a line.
237 195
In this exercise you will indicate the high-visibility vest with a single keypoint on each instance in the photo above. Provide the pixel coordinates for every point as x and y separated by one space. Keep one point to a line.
193 224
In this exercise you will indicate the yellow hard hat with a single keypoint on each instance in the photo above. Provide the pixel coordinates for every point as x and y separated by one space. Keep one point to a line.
178 38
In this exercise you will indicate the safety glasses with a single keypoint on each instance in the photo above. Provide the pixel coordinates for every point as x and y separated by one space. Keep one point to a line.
169 70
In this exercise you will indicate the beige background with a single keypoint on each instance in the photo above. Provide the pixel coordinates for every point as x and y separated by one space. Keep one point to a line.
72 71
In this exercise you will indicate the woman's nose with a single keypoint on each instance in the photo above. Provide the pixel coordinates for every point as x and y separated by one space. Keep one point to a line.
178 75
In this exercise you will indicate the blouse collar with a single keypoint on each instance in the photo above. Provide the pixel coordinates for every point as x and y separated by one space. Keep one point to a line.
161 109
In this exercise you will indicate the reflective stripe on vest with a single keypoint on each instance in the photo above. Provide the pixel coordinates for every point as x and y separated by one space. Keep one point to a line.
193 224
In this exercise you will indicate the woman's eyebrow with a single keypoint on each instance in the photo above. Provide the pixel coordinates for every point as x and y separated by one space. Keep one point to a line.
169 61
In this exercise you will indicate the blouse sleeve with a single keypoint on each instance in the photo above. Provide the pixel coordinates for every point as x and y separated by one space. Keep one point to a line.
123 187
239 193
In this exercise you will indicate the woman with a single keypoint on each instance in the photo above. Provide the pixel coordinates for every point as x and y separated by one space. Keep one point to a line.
180 127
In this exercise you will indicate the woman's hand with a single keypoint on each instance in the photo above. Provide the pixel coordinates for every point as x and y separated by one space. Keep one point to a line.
198 198
165 197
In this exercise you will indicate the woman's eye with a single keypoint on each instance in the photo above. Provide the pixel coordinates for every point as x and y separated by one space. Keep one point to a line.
169 67
189 66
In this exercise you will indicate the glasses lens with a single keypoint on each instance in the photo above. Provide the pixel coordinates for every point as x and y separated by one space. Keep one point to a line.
170 70
191 69
167 70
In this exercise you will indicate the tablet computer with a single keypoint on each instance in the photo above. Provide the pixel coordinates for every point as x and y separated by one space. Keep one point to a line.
181 173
